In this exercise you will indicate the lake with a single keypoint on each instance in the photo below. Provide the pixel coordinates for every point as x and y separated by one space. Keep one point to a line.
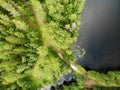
99 35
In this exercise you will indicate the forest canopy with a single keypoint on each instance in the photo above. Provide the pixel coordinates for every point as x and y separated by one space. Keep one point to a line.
36 38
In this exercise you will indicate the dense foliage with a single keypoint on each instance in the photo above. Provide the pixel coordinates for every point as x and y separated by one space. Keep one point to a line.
33 36
27 61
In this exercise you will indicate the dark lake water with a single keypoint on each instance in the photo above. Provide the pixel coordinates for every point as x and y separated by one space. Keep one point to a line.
99 35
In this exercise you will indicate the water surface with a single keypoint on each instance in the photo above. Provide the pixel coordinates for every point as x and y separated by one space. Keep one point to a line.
99 35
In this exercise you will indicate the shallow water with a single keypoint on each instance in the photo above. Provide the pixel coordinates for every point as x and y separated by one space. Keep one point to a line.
99 35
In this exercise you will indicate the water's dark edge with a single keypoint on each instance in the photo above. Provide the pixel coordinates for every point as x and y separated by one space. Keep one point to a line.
99 35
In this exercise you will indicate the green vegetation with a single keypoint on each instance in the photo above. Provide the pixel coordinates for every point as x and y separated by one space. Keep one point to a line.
36 39
29 29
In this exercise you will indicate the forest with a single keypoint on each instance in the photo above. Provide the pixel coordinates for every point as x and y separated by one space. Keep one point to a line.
36 38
